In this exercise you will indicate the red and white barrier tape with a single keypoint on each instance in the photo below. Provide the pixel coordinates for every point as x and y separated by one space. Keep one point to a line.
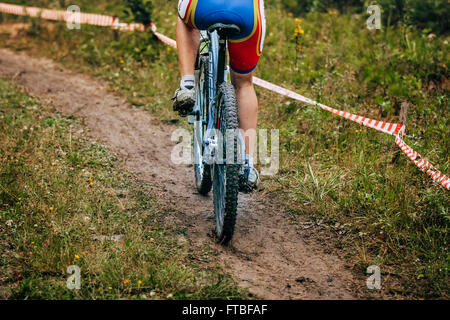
394 129
74 17
166 40
423 164
389 128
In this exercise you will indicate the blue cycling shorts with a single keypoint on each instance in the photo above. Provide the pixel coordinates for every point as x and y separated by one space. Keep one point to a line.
245 47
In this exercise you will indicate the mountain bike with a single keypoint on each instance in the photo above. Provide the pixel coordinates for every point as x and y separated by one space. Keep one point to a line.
218 146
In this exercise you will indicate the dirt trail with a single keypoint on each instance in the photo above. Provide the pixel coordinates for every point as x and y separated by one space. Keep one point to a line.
268 255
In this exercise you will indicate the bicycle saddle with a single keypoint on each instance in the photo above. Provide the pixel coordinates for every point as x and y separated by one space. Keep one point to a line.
224 30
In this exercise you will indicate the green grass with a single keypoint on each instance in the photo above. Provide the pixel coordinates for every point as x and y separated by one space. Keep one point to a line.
63 197
353 181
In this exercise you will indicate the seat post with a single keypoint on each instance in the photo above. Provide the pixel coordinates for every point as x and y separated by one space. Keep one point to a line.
222 60
224 31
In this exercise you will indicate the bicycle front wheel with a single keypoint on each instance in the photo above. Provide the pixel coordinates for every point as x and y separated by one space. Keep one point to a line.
226 167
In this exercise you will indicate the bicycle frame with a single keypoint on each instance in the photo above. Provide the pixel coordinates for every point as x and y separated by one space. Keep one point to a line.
219 73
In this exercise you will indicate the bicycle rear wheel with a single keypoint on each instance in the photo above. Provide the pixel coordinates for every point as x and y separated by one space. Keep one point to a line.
226 173
203 179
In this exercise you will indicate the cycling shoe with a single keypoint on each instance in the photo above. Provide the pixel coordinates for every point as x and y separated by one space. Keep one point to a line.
184 100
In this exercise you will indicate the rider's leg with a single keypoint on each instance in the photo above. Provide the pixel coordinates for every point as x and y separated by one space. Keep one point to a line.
188 40
248 108
248 118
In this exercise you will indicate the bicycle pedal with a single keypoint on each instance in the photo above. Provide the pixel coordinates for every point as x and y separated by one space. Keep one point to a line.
246 189
192 116
184 113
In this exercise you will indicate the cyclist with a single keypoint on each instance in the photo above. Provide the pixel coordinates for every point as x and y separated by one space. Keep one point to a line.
245 50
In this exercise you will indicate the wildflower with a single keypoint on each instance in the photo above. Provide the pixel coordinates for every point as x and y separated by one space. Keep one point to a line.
77 257
83 253
20 199
126 281
298 28
51 208
139 282
431 36
32 242
90 179
121 61
298 31
333 12
91 184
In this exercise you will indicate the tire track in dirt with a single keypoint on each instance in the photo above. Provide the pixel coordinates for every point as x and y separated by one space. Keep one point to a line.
268 255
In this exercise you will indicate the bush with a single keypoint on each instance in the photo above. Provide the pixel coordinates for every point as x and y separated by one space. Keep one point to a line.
298 7
139 11
429 14
423 14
